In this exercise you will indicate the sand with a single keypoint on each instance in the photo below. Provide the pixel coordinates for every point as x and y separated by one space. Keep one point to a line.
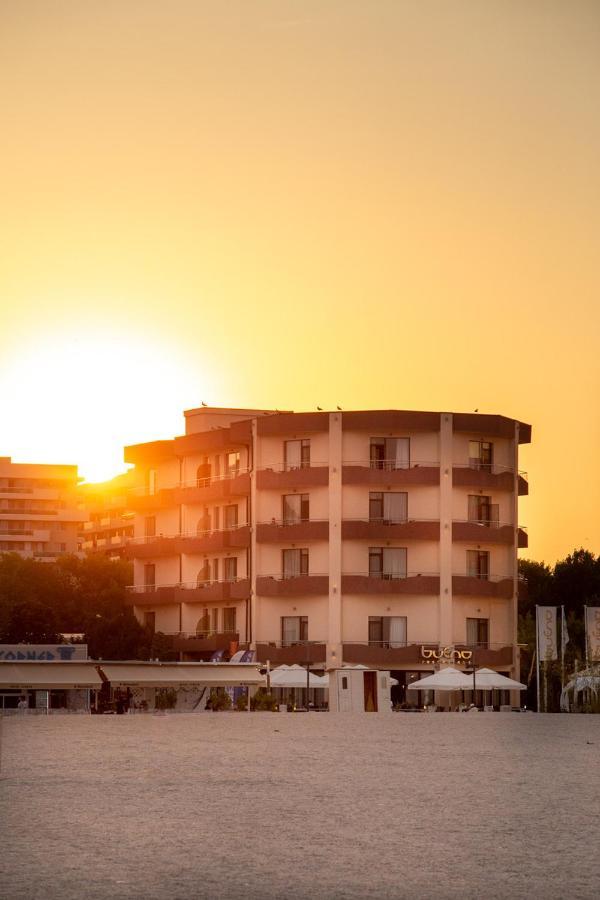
231 805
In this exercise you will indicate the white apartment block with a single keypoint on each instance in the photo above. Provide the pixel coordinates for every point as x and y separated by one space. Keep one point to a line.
382 537
39 517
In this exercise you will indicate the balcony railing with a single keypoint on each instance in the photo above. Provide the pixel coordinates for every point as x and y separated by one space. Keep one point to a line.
291 652
151 538
281 475
391 583
292 530
399 528
381 472
198 482
479 474
288 585
183 585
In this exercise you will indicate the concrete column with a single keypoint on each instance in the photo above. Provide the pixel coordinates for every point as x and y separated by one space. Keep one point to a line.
334 630
446 453
514 611
253 465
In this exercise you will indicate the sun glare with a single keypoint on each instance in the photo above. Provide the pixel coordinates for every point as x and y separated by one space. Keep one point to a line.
79 400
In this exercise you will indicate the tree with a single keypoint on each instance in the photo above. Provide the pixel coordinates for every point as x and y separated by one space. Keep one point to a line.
30 622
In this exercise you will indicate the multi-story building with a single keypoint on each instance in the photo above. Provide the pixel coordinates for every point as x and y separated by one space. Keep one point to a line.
381 537
107 523
38 509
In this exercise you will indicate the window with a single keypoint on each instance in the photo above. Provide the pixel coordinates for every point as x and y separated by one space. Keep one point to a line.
230 516
203 473
150 621
217 518
149 576
482 510
215 569
203 625
295 508
294 563
151 481
481 455
203 574
296 454
344 682
214 619
231 568
150 526
388 507
232 463
478 632
390 453
204 523
293 629
387 562
229 620
387 631
478 563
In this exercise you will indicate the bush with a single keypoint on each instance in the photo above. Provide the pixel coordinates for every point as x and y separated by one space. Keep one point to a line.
166 698
263 701
242 703
219 700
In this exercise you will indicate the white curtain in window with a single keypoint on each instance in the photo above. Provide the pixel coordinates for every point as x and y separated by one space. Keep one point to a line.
397 631
395 507
399 455
291 508
291 563
472 631
290 629
394 562
293 454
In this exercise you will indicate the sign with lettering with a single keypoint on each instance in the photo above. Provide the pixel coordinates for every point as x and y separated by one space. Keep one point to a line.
59 652
547 634
449 654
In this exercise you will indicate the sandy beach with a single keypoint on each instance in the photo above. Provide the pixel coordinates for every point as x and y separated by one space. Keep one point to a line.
300 806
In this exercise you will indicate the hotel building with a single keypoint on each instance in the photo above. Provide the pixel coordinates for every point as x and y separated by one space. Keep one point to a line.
39 517
382 537
107 523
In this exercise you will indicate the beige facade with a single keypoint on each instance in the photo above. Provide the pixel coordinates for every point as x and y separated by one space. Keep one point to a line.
359 537
39 517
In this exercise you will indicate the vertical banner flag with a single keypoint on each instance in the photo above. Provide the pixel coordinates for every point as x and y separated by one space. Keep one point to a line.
547 633
564 632
592 632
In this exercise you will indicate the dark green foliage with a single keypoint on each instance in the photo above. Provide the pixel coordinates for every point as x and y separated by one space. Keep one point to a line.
219 700
39 601
264 701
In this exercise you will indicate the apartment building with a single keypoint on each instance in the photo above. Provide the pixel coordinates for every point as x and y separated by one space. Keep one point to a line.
107 521
382 537
39 517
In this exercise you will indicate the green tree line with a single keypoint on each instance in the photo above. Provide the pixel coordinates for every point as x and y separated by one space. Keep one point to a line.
573 582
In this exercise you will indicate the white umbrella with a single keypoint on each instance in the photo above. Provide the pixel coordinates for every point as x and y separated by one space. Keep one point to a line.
488 680
294 677
448 679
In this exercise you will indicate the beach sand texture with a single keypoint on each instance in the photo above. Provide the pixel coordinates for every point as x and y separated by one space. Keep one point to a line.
294 806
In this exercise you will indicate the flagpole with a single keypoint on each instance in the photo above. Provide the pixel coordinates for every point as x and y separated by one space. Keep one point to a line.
585 629
562 648
537 658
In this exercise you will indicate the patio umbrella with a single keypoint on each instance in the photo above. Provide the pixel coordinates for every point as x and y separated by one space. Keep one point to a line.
448 679
488 680
295 677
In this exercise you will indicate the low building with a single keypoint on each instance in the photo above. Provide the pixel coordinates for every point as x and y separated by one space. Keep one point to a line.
39 516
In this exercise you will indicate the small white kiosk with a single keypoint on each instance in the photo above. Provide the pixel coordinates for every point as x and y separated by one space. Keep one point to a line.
358 689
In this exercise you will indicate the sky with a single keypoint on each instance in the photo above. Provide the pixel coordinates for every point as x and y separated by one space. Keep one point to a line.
382 204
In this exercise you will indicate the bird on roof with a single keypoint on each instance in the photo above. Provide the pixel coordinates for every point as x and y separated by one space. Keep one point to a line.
339 407
477 410
320 408
204 404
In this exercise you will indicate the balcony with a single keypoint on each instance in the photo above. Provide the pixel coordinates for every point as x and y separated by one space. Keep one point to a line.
188 592
489 476
489 655
205 490
282 531
203 643
292 586
376 529
488 532
205 542
385 654
213 591
411 583
501 586
389 473
291 653
281 477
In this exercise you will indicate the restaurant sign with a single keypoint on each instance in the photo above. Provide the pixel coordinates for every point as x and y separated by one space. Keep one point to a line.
446 654
59 652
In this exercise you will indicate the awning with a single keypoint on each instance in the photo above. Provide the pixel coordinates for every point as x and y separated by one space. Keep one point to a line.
46 676
295 677
448 679
173 674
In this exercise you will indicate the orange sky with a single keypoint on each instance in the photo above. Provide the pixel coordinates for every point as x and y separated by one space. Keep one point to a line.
277 203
